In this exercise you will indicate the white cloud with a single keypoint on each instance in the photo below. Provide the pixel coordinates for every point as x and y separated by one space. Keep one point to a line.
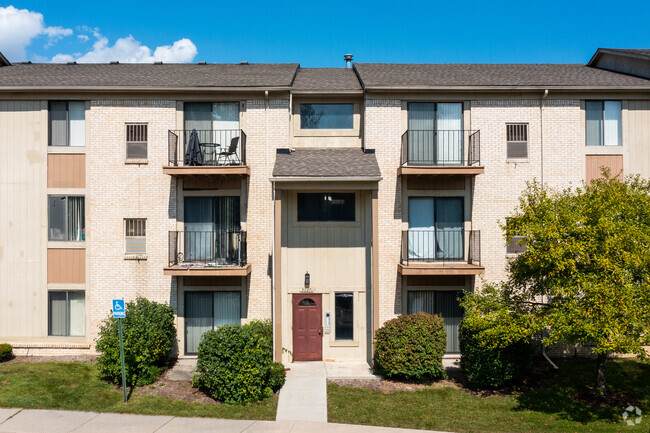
129 50
83 38
19 26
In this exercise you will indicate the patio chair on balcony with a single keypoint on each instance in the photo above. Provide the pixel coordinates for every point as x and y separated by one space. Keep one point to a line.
228 154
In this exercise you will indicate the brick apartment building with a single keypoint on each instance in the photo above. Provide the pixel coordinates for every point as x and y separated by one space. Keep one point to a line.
326 199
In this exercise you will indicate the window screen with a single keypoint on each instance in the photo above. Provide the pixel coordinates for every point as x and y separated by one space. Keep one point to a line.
326 116
136 141
326 207
344 316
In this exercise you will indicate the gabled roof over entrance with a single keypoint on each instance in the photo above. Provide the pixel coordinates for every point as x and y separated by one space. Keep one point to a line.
328 164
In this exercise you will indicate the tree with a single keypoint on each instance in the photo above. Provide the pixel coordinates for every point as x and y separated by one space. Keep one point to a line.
585 274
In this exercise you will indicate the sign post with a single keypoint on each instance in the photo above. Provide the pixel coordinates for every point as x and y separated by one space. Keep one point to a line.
119 313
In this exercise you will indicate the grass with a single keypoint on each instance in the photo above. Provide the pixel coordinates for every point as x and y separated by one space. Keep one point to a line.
551 407
77 386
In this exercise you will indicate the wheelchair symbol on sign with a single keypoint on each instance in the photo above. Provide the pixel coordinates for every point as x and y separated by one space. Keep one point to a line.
118 308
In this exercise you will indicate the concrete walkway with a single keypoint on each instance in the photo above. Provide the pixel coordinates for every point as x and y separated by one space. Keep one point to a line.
303 396
60 421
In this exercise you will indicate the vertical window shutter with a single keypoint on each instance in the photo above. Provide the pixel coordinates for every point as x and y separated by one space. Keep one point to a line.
594 122
77 123
58 123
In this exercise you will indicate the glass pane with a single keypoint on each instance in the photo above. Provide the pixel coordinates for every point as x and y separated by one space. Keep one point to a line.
344 317
77 313
58 314
58 123
227 308
326 207
594 122
326 116
57 227
448 307
198 318
225 125
307 302
421 236
421 125
198 115
76 219
77 116
450 135
421 301
199 229
612 123
449 228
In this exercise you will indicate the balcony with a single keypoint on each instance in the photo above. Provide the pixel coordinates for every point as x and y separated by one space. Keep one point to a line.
441 252
437 152
211 152
207 253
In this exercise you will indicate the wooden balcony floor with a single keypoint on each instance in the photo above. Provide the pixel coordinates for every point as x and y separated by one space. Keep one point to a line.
207 170
433 268
440 170
206 271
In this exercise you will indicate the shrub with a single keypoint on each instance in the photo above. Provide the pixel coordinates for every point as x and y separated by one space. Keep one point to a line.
5 352
487 365
411 347
149 337
235 363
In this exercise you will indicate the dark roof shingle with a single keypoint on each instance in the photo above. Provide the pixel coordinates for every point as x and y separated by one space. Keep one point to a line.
423 76
326 79
179 75
326 162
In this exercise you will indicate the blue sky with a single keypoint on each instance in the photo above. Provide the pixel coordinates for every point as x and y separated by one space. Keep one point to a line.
319 33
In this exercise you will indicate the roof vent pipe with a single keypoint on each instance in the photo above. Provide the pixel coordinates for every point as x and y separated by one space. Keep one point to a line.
348 60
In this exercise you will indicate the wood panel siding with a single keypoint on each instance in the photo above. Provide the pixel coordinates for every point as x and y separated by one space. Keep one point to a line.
66 266
204 182
637 137
23 219
212 281
436 182
594 164
66 170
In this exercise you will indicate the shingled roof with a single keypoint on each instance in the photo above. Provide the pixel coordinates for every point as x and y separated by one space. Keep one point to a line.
163 76
326 163
433 76
326 80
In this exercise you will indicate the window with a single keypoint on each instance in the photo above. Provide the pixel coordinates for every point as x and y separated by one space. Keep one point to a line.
516 245
66 218
66 314
436 228
67 123
205 311
435 133
517 140
344 316
136 141
216 123
326 116
603 123
135 235
326 207
444 303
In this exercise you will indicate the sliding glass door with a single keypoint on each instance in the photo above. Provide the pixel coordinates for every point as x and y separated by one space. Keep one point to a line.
435 228
212 226
435 133
217 124
205 311
444 303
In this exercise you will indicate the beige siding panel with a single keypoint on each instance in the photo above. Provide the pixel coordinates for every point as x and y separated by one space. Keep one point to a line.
638 137
23 218
594 163
66 170
66 266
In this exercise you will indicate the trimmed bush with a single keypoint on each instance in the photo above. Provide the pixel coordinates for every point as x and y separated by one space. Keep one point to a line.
486 366
235 363
149 337
411 347
5 352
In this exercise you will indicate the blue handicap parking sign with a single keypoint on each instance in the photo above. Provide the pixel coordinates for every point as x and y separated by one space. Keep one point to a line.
118 308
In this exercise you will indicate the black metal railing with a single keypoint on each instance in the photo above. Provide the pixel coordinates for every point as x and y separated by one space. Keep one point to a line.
217 147
207 248
441 246
441 148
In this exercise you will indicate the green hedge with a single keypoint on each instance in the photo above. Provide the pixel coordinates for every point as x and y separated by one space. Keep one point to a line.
149 337
487 366
411 347
235 363
5 352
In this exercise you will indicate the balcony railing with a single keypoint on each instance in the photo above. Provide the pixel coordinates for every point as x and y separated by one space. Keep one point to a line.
441 148
218 147
441 246
207 248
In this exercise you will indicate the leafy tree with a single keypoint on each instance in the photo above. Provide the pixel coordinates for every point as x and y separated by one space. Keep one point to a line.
585 274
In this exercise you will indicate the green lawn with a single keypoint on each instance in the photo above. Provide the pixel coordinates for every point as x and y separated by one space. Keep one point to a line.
61 385
547 408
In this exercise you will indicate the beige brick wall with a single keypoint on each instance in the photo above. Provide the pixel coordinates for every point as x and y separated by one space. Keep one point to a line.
116 191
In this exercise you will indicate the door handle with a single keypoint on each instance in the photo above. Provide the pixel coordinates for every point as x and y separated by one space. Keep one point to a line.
320 331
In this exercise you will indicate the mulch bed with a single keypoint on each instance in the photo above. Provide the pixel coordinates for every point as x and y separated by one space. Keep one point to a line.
176 389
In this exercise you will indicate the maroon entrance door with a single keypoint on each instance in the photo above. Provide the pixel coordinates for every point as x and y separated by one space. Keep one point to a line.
307 328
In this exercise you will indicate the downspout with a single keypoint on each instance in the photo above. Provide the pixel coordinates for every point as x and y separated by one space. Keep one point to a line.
269 210
541 133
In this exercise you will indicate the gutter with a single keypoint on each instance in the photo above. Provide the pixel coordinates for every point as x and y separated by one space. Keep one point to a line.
106 89
326 179
510 88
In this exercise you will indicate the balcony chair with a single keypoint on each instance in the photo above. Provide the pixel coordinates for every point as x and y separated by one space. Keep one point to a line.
229 153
